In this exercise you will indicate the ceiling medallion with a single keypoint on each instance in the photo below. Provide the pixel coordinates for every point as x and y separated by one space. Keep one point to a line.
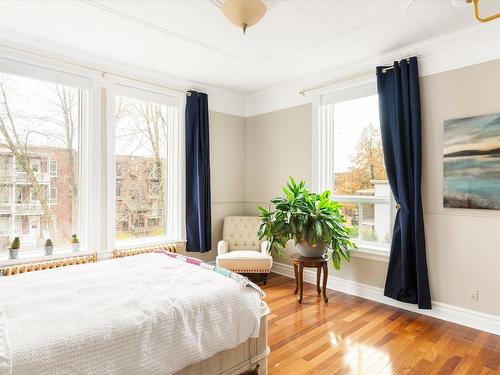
243 13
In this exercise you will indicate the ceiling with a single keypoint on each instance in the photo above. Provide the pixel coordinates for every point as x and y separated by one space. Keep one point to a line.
192 39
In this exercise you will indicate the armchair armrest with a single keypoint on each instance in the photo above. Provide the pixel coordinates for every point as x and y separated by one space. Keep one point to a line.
222 247
265 247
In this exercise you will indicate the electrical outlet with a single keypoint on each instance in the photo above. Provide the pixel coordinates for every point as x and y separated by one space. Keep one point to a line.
473 295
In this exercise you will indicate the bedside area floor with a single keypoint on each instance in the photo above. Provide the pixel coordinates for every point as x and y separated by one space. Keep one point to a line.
351 335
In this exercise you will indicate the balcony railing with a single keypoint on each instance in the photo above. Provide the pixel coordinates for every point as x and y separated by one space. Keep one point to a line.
378 218
43 178
21 208
155 212
5 208
7 176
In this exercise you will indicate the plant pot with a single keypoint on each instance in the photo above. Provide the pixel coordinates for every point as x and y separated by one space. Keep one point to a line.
13 253
75 246
48 250
310 251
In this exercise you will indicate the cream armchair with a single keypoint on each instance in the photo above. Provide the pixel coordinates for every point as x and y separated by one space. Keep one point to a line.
241 250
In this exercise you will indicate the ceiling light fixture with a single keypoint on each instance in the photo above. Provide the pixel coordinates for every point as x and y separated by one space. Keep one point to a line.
243 13
476 12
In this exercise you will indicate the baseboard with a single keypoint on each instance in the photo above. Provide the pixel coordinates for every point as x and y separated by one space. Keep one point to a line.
450 313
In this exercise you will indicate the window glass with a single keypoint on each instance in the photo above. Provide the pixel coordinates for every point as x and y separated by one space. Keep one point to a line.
141 130
39 130
360 177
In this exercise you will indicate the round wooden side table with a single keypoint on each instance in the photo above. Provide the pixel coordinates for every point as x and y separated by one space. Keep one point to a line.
299 263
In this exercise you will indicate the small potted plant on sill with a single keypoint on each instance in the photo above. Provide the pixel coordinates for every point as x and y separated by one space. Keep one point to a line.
49 247
75 243
313 220
14 248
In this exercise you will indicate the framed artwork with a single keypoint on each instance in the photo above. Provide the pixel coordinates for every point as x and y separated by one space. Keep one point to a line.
472 162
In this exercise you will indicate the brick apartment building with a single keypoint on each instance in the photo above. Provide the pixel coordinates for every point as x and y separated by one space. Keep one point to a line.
139 198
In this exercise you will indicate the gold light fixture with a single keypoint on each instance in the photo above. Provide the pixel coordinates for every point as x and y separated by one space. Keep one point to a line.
243 13
476 12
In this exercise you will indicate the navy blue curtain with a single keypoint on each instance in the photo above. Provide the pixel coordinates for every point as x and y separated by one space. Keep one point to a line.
198 210
400 122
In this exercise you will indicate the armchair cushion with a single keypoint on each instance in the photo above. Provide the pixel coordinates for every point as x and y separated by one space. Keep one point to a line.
241 232
245 261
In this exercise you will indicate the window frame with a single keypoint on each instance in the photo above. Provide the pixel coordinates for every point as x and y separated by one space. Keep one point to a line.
88 85
123 87
323 161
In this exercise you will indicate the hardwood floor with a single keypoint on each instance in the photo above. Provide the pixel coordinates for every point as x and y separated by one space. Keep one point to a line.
351 335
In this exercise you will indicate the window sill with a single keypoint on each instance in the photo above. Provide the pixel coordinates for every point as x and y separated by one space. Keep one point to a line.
39 256
145 242
380 254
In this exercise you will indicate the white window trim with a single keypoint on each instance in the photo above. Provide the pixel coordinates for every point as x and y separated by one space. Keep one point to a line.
323 157
175 163
89 147
77 71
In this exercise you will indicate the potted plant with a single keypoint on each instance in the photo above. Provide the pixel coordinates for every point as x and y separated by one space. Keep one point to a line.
14 248
49 247
75 243
314 221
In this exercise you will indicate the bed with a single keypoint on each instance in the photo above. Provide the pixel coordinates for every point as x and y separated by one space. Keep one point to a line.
147 314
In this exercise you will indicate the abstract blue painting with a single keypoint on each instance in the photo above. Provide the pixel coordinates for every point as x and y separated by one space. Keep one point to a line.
472 162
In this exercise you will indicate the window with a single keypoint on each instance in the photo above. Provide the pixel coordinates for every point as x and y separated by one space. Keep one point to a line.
39 123
142 126
53 168
359 178
53 195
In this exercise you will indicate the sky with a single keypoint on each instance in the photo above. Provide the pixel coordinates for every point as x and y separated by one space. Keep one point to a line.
350 118
33 104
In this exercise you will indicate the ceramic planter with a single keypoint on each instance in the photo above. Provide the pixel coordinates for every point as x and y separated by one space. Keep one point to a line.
310 251
13 253
49 250
75 246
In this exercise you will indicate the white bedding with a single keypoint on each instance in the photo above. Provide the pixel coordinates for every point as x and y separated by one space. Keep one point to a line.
147 314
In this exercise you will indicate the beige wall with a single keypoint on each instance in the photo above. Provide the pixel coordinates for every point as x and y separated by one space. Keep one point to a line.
463 248
278 145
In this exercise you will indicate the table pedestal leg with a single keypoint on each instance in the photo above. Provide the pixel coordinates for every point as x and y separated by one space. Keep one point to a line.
325 277
301 282
318 278
296 272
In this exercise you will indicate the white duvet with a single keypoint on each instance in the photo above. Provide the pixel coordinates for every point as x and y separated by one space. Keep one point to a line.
147 314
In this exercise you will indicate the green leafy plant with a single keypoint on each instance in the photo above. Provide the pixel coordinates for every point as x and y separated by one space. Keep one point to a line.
74 239
16 244
306 217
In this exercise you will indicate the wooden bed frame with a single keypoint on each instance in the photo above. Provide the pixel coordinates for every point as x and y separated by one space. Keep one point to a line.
236 361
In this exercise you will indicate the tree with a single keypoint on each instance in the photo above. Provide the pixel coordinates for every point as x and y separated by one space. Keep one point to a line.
62 106
17 141
367 163
141 133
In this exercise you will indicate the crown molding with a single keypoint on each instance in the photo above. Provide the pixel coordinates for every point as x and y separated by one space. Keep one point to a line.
469 46
455 50
29 49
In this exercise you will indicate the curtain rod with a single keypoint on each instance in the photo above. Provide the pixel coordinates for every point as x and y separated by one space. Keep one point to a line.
348 78
102 72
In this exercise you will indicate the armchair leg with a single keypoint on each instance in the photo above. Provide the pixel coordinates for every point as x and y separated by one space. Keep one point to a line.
257 277
265 279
